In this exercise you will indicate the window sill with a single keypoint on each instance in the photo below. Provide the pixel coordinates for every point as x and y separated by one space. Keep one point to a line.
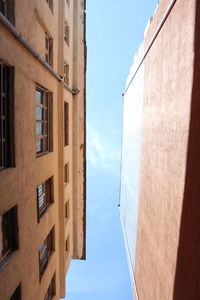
6 169
42 154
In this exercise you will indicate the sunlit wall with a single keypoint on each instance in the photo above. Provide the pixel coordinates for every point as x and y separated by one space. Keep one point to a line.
131 145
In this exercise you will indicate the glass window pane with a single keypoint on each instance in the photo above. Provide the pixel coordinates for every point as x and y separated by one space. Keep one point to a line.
38 113
38 97
38 145
38 128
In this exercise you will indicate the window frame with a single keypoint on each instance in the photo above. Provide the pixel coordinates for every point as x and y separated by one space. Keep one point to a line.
7 159
45 252
50 4
45 146
47 194
48 49
8 234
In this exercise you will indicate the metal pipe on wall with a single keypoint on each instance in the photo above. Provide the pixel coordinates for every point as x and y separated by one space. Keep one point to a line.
34 52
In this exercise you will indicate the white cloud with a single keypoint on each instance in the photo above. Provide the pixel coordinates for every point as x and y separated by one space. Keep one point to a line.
102 154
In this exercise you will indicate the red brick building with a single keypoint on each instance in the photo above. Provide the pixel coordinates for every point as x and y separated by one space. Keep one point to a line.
160 189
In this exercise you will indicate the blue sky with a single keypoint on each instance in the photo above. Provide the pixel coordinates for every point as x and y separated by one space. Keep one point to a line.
114 32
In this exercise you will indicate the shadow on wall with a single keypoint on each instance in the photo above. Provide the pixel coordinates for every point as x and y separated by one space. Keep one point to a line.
187 277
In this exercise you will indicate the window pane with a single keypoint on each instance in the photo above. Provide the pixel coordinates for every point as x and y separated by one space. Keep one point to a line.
38 128
38 113
38 145
38 97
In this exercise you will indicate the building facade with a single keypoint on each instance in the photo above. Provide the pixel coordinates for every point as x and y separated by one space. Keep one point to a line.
42 145
160 185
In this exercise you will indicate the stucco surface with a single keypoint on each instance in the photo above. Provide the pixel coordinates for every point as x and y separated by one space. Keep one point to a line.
18 185
168 79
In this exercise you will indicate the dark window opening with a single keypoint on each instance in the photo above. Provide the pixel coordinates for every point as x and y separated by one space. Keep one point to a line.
50 3
17 293
66 173
6 117
66 73
45 251
66 33
44 196
67 244
67 209
66 125
51 292
48 50
7 9
8 234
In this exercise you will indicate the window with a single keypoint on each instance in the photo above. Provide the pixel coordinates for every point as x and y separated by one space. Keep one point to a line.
50 3
44 196
66 33
67 244
17 293
66 73
51 289
66 173
8 234
67 209
66 125
45 251
43 118
48 49
6 117
7 9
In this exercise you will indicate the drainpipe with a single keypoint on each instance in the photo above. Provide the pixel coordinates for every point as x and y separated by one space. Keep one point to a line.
34 52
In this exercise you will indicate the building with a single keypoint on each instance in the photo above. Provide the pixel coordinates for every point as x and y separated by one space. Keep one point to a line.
42 145
160 177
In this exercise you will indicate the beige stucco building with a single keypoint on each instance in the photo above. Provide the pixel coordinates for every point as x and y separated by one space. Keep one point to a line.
42 145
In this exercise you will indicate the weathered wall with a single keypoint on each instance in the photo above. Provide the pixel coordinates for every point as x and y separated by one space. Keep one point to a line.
18 185
168 83
131 147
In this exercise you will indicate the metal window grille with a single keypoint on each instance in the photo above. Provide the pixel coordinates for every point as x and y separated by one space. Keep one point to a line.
44 197
42 121
45 251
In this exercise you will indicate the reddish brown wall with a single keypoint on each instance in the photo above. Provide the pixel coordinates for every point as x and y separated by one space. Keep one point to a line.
166 117
187 279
